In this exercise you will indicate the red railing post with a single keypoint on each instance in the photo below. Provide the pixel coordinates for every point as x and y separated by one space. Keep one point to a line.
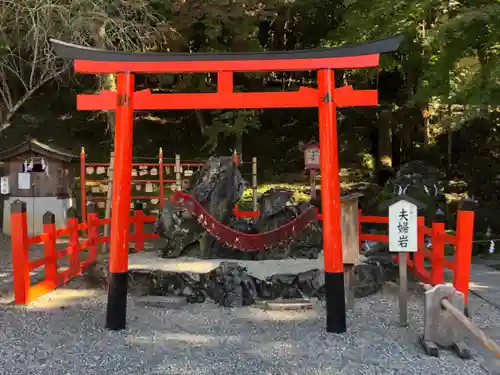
83 190
160 174
74 245
49 248
20 255
437 267
92 232
360 228
419 255
463 253
138 235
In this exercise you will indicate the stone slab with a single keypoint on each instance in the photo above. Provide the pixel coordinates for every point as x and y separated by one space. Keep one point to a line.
285 304
258 269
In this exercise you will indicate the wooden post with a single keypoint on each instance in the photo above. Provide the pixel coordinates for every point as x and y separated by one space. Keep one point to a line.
92 232
138 236
403 289
437 271
73 245
418 259
109 196
312 182
349 278
254 184
161 178
20 257
360 227
83 189
49 249
178 172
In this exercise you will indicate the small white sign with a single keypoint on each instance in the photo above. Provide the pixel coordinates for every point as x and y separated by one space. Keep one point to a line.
312 157
403 227
24 181
4 185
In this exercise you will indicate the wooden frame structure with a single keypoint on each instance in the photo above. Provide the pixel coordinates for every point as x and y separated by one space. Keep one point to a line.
326 97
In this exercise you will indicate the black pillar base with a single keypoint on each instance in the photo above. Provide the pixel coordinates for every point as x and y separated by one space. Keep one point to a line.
335 302
116 314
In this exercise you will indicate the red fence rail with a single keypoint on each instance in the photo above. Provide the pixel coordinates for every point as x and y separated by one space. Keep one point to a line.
432 273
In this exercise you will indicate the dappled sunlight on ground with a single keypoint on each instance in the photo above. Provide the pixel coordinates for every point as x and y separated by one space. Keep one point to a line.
476 286
260 315
186 338
63 297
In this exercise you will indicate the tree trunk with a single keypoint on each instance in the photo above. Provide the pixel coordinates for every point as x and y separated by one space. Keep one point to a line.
426 129
109 197
484 74
450 140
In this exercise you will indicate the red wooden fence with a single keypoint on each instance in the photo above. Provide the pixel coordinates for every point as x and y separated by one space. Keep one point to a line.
433 274
161 166
76 246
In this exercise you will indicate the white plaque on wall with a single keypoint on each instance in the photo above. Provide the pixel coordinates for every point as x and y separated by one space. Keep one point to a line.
24 181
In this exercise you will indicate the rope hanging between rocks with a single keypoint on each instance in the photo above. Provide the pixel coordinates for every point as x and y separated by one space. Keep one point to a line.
243 241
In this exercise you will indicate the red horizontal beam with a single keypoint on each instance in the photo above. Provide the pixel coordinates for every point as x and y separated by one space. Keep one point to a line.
304 97
346 62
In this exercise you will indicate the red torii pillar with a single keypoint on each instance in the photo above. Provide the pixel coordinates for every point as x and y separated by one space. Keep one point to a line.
330 204
327 98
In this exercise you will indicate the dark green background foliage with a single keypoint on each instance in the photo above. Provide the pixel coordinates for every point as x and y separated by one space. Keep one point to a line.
438 93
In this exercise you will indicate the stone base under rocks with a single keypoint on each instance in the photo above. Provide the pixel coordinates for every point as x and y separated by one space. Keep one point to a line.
284 304
241 283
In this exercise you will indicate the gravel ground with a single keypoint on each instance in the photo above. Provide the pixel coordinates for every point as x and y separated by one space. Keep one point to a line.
62 333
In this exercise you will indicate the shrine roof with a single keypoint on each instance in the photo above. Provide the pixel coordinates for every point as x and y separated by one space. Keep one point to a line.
40 148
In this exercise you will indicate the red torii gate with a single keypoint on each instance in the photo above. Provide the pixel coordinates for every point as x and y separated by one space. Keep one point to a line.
326 97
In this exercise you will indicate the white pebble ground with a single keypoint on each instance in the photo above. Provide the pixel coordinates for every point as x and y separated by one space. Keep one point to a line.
63 333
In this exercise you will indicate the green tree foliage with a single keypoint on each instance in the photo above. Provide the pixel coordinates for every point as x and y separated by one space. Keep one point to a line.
27 62
448 66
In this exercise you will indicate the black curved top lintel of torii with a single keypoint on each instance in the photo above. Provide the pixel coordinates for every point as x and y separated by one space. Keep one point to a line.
76 52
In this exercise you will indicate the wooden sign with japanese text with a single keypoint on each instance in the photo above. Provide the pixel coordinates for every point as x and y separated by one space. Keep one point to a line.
311 157
403 227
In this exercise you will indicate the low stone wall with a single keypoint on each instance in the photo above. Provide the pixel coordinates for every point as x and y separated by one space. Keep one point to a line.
231 285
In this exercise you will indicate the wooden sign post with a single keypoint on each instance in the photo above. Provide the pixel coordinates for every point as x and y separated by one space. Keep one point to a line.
311 161
403 239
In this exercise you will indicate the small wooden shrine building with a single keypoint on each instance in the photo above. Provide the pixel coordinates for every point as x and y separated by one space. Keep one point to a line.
43 176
